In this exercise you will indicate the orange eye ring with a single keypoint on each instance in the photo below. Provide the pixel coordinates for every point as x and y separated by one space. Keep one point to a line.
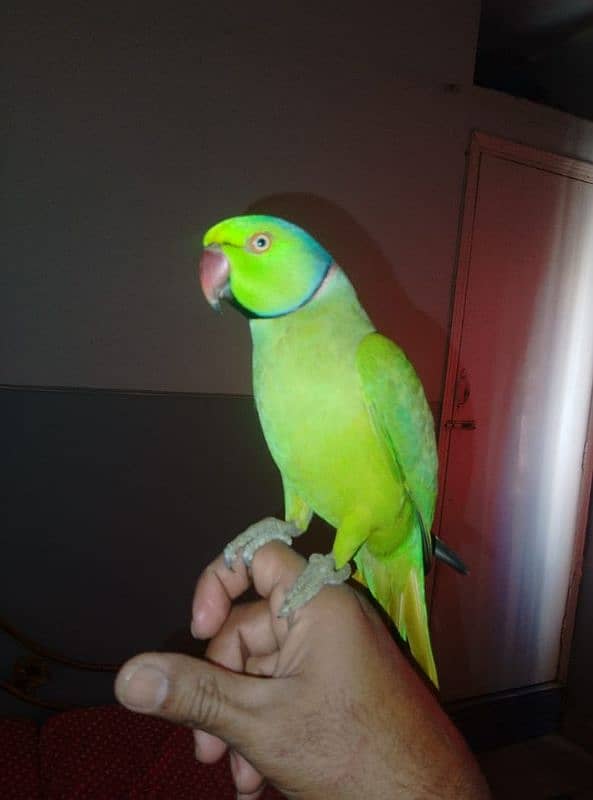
259 242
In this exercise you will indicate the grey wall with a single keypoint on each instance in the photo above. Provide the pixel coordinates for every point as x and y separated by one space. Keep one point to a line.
129 134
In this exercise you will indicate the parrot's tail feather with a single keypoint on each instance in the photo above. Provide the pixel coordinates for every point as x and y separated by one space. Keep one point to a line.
358 576
413 618
396 580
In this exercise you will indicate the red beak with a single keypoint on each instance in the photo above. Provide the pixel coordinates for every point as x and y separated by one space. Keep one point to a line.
214 271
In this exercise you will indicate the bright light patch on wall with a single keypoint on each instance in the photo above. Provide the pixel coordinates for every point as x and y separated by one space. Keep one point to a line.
549 410
513 491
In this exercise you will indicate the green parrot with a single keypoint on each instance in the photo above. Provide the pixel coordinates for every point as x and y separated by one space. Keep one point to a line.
343 413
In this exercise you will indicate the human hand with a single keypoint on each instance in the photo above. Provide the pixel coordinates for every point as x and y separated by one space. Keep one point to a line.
324 705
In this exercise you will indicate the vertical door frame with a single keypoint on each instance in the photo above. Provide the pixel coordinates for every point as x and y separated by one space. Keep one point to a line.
482 144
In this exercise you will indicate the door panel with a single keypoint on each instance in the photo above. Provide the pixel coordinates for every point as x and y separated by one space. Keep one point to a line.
519 379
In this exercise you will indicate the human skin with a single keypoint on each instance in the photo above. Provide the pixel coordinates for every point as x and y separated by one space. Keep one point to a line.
324 705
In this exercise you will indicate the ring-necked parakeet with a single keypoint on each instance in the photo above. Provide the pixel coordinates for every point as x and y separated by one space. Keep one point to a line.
344 415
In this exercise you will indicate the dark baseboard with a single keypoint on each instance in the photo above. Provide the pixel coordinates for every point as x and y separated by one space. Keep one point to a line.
578 728
505 718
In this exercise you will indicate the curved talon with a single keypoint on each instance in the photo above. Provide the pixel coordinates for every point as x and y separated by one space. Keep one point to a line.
319 572
339 576
246 544
229 556
251 549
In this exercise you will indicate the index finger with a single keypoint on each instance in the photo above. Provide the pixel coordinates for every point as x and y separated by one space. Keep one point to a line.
274 569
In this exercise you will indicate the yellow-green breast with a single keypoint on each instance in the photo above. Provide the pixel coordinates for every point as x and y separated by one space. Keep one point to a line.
311 406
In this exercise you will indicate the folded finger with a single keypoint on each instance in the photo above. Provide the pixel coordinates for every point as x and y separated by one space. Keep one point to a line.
248 781
215 591
275 567
249 630
208 748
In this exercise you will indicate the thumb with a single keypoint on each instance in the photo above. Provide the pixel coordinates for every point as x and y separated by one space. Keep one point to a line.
192 692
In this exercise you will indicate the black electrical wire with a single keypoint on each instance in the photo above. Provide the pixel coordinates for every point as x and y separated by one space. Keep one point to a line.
53 655
36 701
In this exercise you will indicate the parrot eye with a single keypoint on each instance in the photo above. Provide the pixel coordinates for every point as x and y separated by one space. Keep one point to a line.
259 242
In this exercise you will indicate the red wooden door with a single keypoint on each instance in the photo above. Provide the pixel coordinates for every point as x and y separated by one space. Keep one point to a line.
514 480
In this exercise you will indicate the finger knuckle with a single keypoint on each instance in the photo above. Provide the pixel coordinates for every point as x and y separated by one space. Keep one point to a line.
202 702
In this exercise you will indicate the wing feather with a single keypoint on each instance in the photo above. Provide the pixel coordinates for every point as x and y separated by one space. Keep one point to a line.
403 420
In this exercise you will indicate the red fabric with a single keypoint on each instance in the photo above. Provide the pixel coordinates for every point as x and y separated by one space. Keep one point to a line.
19 765
98 753
108 754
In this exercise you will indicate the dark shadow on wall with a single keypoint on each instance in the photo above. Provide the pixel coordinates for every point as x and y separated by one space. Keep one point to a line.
369 269
113 503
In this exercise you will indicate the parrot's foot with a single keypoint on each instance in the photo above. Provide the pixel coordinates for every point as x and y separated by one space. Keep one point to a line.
320 571
246 544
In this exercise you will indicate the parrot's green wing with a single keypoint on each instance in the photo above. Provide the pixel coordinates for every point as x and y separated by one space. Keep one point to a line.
404 424
403 419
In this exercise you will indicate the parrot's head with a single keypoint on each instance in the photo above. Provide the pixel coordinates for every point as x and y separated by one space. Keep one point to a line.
265 266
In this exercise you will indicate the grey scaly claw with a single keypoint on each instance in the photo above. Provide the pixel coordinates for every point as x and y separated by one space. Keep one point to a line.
320 571
246 544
